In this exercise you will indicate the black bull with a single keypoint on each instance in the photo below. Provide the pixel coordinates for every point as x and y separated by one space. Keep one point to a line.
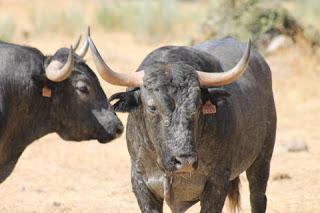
182 155
77 109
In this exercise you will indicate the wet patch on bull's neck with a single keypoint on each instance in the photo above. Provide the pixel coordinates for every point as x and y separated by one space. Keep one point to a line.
172 197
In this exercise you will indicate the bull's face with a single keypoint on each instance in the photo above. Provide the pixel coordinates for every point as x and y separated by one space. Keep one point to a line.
80 106
171 99
169 96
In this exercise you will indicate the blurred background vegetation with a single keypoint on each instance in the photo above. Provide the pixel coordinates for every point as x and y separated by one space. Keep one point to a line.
191 20
125 31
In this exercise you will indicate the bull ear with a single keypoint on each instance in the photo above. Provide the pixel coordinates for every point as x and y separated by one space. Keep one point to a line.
127 101
40 80
215 95
219 92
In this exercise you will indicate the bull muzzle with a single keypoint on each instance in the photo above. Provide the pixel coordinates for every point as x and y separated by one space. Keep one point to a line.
185 163
113 133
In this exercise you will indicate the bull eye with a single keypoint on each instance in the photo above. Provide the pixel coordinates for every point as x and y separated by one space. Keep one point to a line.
152 109
83 89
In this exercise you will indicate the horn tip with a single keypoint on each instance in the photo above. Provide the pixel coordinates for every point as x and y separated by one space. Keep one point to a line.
88 31
76 44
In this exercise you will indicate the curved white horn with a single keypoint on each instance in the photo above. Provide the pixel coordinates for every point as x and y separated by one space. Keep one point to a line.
76 44
58 72
207 79
84 49
133 79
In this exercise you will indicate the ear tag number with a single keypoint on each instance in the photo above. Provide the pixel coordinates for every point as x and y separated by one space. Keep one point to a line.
209 108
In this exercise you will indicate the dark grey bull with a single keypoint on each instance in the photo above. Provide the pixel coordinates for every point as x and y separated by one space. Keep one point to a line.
182 150
43 94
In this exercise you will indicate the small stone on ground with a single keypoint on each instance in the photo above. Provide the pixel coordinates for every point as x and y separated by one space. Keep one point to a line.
296 145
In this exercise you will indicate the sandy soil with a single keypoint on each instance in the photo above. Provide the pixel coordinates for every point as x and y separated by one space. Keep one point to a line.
57 176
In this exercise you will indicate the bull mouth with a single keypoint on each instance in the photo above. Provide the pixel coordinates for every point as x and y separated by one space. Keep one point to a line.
107 139
103 141
110 138
102 138
172 171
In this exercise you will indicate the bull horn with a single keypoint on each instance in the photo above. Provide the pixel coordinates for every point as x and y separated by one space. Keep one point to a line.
76 44
84 49
58 72
219 79
134 79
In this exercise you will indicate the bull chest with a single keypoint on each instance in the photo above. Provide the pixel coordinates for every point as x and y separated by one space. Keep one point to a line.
186 187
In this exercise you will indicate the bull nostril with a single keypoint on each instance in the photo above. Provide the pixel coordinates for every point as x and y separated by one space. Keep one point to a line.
185 163
177 162
195 164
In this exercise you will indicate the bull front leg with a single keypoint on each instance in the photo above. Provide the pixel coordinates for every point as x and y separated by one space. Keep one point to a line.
215 192
147 201
8 161
7 168
2 124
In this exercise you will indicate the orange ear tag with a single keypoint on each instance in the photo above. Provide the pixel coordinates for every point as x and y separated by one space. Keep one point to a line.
46 92
209 108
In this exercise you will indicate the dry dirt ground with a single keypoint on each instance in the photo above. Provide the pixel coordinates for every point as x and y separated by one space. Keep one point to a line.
57 176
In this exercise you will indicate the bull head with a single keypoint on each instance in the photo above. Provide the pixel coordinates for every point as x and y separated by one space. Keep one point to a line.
170 96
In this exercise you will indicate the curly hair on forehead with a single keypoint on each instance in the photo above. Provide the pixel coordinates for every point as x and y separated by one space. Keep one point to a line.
190 98
174 74
186 79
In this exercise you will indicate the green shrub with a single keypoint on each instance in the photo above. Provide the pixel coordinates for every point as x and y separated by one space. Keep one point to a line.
143 17
250 19
69 21
261 20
